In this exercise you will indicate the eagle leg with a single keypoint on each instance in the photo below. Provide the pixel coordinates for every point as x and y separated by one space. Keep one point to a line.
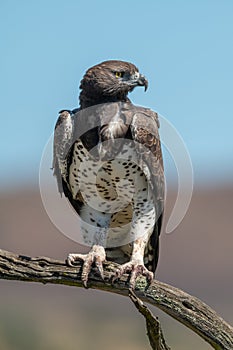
95 256
136 265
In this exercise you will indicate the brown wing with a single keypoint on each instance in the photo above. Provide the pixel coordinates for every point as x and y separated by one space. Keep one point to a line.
144 129
145 133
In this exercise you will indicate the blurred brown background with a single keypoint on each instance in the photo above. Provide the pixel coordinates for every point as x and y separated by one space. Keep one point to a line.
196 257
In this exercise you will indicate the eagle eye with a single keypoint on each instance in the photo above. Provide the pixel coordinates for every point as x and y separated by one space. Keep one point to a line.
119 74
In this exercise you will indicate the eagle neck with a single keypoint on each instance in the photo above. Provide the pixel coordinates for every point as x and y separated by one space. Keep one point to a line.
91 99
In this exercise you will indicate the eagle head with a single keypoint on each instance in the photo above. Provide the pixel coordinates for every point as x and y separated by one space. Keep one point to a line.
110 81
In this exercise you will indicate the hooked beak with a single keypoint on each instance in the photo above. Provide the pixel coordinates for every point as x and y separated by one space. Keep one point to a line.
142 81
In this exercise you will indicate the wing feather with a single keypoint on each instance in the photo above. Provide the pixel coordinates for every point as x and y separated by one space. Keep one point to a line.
63 139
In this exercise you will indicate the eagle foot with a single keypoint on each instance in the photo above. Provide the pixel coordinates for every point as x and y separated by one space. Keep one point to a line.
135 269
96 256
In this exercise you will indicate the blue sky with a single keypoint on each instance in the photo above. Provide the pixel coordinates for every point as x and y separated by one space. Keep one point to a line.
183 47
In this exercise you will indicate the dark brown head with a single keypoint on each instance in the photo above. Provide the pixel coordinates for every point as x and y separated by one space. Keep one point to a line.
109 81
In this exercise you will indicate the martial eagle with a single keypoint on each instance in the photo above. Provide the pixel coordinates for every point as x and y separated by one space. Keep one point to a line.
108 163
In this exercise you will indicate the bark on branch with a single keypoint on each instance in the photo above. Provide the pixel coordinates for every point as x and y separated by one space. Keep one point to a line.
185 308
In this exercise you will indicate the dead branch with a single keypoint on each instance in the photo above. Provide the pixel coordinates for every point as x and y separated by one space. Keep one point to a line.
154 330
185 308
